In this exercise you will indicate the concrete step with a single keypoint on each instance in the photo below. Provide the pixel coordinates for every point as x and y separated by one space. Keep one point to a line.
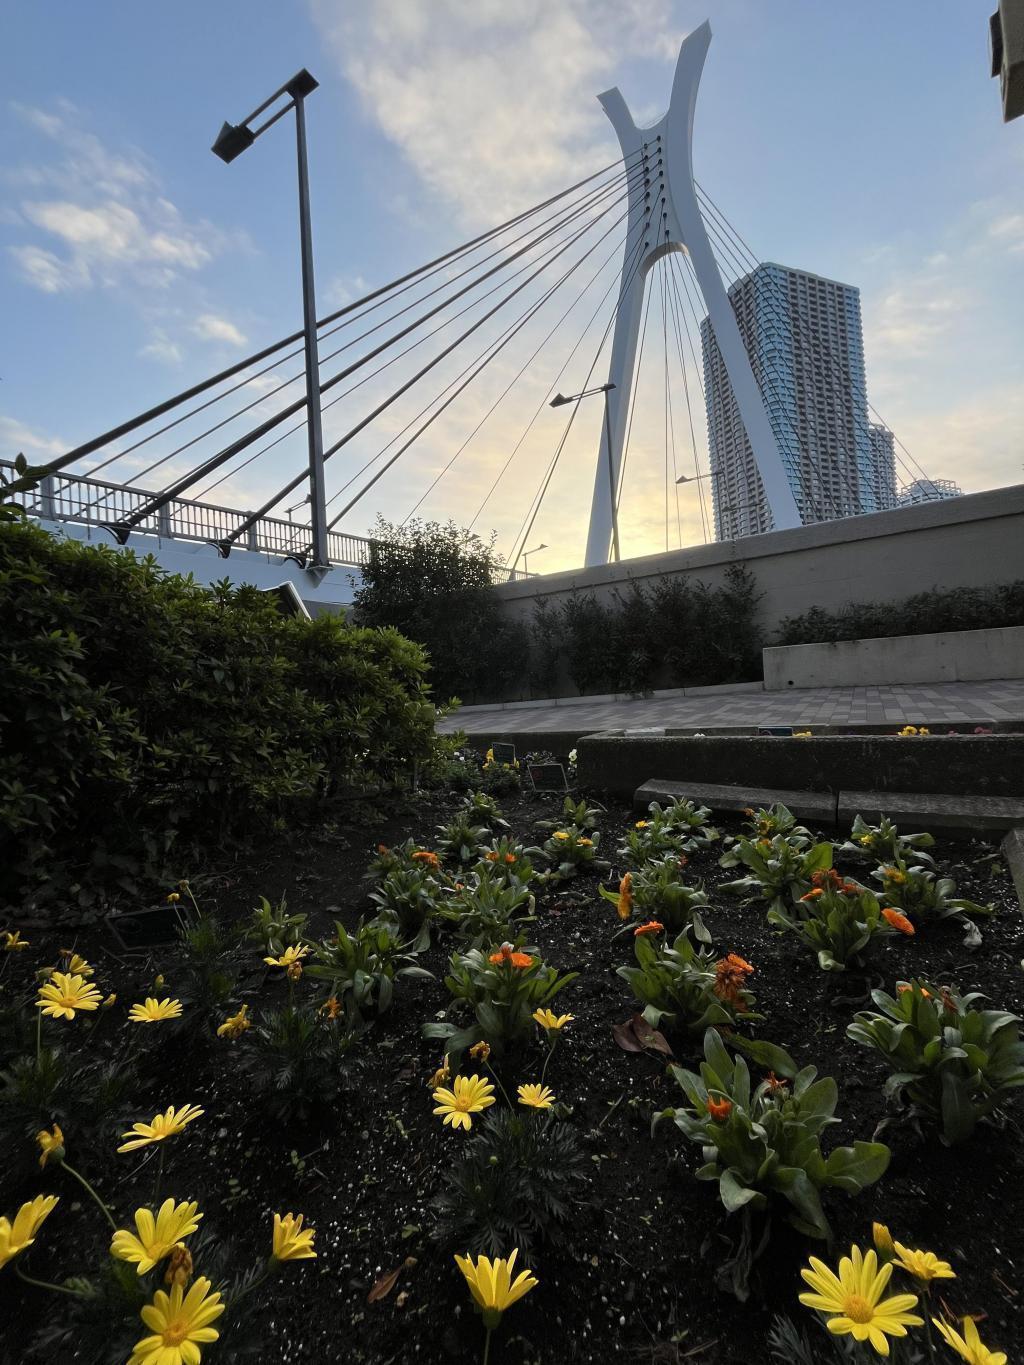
819 807
958 816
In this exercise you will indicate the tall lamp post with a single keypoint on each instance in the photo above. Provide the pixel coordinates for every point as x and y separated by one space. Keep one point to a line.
712 474
231 141
558 401
526 557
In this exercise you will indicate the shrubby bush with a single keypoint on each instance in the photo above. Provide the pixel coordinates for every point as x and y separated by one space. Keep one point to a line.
432 583
142 715
678 631
940 609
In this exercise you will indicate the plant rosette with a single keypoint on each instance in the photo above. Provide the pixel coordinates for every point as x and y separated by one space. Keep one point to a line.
840 927
503 988
780 873
570 851
886 844
951 1063
687 990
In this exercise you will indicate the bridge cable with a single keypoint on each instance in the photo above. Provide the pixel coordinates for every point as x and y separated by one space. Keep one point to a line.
354 431
79 452
678 323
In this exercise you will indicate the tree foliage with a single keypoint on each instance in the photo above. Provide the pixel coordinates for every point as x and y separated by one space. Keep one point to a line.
432 582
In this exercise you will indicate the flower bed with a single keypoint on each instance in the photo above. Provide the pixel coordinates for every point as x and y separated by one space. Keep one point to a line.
344 1111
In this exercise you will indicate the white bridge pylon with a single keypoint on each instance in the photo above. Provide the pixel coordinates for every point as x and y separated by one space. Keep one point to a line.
663 208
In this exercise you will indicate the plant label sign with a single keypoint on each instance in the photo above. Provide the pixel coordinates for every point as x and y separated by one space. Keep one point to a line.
504 753
548 777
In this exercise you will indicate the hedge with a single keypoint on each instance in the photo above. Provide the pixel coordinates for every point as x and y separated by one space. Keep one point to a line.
143 716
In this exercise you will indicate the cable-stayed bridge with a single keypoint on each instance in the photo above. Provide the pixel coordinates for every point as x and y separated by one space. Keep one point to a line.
608 280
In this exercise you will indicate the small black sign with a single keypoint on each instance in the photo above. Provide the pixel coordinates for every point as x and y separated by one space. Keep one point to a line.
504 753
548 777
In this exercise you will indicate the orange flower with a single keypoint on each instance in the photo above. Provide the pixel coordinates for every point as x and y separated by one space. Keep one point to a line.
775 1084
719 1110
383 848
813 895
729 975
826 877
651 927
506 955
491 857
904 986
898 921
425 856
748 810
625 901
510 858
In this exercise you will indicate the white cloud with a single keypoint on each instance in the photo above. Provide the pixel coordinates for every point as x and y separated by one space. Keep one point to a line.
17 438
1008 229
213 328
493 104
163 349
102 217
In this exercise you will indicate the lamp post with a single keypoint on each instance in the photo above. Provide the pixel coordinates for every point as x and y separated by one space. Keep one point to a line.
231 141
723 507
526 557
557 402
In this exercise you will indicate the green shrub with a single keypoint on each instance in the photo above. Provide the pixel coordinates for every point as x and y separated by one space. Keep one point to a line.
433 583
940 609
142 715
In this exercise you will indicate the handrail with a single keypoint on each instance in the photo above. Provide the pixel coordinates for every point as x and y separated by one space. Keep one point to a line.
97 502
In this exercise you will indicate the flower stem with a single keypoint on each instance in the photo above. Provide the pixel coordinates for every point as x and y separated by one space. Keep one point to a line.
39 1036
551 1049
159 1171
500 1086
487 1346
82 1181
44 1284
928 1325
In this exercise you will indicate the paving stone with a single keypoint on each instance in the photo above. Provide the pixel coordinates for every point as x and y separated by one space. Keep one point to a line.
817 806
958 816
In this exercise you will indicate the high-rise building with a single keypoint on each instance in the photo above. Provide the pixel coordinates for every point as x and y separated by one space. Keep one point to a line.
883 466
928 490
803 337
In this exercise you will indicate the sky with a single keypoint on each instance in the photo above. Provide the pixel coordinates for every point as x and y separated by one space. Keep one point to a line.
863 142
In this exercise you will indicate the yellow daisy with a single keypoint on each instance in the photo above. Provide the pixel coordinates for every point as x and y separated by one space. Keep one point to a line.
536 1096
16 1236
290 956
157 1236
491 1284
78 966
969 1346
14 943
63 994
163 1126
468 1095
292 1242
51 1144
854 1299
548 1020
179 1322
236 1024
155 1010
923 1265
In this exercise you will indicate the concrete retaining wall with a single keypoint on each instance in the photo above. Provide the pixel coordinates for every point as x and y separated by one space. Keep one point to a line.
973 541
983 765
952 656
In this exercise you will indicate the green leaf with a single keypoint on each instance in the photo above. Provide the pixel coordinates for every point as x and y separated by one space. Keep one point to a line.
734 1194
768 1055
854 1168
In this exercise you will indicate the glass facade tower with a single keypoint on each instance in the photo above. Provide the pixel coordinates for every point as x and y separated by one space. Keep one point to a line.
803 336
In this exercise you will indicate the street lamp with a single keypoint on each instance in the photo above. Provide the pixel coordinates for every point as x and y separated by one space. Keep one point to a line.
231 141
557 402
526 556
295 507
723 507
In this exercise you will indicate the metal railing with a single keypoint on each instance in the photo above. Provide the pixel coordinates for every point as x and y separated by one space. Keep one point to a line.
95 502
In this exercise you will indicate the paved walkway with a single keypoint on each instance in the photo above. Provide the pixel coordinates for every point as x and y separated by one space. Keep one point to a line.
927 704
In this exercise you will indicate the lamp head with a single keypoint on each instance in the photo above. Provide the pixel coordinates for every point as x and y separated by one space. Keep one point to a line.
559 400
232 140
301 84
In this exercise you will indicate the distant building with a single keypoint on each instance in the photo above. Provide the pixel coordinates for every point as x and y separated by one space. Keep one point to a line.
803 336
883 465
929 490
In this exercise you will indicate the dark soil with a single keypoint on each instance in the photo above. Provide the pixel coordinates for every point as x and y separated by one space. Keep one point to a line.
635 1278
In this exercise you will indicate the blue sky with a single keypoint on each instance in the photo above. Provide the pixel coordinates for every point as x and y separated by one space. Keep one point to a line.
861 141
